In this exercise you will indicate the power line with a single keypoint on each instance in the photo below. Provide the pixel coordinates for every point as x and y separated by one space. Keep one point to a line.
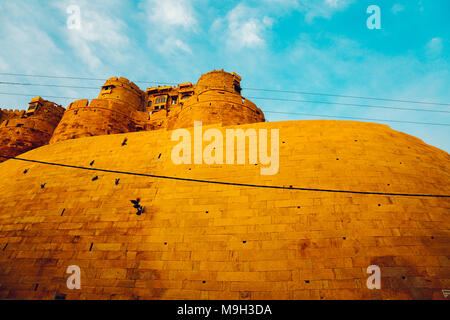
269 111
349 104
36 95
258 98
352 97
78 78
245 88
355 118
229 183
46 85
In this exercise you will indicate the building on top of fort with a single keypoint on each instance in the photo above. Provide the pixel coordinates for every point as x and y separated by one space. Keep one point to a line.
122 106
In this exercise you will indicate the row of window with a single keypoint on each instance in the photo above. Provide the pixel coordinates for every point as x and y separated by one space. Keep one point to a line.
160 99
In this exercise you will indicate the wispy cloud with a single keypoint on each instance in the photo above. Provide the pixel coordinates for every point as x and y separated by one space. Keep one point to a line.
102 34
434 47
243 27
313 9
169 22
397 8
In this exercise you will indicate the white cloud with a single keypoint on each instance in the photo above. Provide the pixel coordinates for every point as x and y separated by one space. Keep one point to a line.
434 47
243 27
169 23
102 32
321 9
396 8
171 13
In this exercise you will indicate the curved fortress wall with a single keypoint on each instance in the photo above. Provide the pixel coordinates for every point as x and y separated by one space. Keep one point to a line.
207 241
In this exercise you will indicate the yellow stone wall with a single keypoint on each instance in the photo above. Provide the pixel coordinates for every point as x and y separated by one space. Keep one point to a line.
207 241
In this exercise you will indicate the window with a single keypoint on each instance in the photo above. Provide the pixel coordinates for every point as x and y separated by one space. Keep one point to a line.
185 97
237 88
160 99
174 100
149 103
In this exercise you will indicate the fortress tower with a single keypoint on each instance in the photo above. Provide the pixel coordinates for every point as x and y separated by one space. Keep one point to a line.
217 99
114 111
122 107
21 131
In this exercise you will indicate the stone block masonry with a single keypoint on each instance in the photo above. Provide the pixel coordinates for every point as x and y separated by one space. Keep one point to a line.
207 241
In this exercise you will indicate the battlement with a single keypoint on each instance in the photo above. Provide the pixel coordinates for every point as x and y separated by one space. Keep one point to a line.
122 106
219 80
124 90
6 114
23 130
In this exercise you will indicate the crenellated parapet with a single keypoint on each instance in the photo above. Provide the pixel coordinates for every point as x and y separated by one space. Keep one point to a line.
122 106
23 130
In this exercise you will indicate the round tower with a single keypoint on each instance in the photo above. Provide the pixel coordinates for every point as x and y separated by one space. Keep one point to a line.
217 99
112 112
123 90
219 80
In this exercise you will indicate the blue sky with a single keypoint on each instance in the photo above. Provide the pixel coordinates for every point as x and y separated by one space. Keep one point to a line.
301 45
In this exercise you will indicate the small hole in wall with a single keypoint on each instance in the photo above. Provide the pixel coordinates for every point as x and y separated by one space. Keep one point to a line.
60 296
124 142
290 186
403 277
43 185
203 281
298 207
244 241
344 238
25 171
107 132
36 286
306 281
92 162
432 237
90 248
159 156
379 205
94 178
117 182
165 243
63 212
337 158
4 248
206 211
388 184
